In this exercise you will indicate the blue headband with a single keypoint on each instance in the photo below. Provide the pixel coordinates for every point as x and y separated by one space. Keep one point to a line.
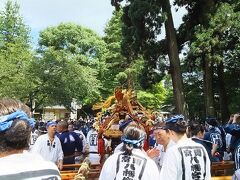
133 142
51 123
174 119
7 120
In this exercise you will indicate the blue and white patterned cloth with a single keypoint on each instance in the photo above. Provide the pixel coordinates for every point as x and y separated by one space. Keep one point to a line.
7 120
174 119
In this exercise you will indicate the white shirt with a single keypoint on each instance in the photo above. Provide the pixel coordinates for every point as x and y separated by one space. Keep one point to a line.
107 143
118 148
92 143
92 140
33 138
27 166
49 151
186 160
228 139
137 166
159 160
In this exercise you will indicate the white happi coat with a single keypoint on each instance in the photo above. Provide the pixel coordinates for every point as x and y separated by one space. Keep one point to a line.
27 166
118 148
138 166
33 138
187 160
92 143
50 152
159 160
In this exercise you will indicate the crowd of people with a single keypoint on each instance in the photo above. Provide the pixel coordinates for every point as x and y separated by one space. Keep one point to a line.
178 148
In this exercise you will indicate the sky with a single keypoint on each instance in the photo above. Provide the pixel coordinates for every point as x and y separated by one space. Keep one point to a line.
93 14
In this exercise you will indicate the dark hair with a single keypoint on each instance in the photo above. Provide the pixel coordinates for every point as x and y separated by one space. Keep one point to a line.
195 127
179 127
17 137
212 120
131 133
159 125
63 124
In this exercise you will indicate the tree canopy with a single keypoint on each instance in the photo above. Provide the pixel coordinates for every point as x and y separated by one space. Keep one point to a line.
198 62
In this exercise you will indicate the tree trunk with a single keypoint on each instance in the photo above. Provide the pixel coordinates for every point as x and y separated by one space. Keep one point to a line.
177 81
208 87
222 93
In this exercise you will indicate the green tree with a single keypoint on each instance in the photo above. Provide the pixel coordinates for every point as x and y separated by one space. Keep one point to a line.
142 24
153 98
15 53
70 65
13 29
212 45
59 79
121 72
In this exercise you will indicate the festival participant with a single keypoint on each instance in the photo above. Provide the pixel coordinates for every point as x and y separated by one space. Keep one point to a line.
236 175
233 128
49 146
16 162
34 135
216 135
187 159
197 132
132 162
122 125
70 141
228 154
76 128
163 142
92 145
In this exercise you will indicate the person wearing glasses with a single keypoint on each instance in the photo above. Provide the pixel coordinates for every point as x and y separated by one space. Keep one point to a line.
49 146
187 159
16 162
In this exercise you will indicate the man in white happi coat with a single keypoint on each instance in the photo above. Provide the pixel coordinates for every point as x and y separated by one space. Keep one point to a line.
187 160
163 142
92 146
49 146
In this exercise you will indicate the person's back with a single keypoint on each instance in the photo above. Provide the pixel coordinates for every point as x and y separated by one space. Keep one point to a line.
208 146
82 137
187 159
132 162
234 129
137 166
92 146
15 161
216 135
92 141
34 136
197 132
27 165
71 143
